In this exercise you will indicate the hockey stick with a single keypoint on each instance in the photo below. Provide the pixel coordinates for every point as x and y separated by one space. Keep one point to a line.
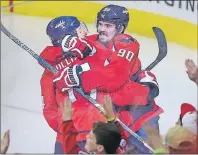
54 71
162 45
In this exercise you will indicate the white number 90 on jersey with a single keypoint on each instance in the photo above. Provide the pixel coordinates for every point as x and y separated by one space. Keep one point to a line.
127 54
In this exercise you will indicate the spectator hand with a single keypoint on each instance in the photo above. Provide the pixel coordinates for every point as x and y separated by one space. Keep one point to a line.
5 142
66 109
108 109
192 70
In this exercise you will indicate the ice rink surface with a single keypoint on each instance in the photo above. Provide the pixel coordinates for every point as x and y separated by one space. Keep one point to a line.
21 104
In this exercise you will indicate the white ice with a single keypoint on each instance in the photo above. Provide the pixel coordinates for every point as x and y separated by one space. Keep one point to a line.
21 104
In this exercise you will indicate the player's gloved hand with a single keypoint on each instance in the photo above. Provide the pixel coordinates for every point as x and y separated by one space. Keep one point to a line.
148 79
67 78
79 48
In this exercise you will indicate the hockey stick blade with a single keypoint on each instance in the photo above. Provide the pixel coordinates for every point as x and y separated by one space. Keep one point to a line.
162 45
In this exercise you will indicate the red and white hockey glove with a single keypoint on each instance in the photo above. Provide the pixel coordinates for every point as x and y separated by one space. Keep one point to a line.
78 47
148 79
67 78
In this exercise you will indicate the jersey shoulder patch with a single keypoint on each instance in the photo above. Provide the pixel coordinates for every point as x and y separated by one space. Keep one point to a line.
125 38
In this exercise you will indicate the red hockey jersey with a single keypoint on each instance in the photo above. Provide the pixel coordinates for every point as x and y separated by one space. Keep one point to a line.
84 115
114 79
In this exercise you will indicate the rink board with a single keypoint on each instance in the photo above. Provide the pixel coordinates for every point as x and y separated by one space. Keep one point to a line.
141 22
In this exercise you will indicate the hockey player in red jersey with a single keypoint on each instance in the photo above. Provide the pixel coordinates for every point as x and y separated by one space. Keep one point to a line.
114 77
84 114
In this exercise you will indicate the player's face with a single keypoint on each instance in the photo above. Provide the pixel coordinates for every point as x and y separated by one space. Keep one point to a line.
82 30
106 31
91 145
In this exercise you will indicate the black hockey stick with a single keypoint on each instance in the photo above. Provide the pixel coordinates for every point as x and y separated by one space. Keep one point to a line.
79 90
162 44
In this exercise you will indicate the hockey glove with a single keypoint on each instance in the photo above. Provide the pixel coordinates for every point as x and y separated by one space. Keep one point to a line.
67 78
79 48
147 78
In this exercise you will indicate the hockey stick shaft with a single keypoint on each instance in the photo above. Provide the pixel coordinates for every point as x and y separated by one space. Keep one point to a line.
26 48
54 71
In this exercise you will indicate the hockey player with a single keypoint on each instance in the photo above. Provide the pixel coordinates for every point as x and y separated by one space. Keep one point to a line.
119 67
84 113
